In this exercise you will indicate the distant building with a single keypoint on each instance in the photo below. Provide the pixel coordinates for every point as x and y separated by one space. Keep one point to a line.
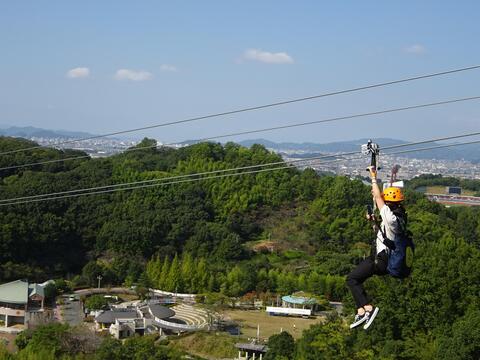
295 305
20 302
140 319
107 318
125 328
453 190
248 351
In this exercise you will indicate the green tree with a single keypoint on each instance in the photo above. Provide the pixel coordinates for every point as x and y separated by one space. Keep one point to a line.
110 348
187 273
51 338
464 341
90 272
323 341
280 347
174 280
163 274
96 302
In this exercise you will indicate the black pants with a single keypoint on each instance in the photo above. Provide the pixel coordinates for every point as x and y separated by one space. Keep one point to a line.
362 272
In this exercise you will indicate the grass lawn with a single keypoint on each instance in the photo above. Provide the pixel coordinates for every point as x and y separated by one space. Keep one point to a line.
218 345
208 345
269 325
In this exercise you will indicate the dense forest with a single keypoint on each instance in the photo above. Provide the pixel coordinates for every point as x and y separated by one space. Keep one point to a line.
267 233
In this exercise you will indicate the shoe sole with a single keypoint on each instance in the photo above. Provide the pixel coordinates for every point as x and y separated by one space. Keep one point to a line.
370 320
359 322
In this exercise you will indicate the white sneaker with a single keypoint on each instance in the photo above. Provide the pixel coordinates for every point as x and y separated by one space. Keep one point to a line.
370 315
359 320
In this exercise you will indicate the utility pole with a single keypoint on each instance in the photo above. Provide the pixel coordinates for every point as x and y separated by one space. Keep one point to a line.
99 277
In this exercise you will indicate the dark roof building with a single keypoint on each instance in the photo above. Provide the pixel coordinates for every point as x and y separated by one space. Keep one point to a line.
161 312
109 316
119 315
250 350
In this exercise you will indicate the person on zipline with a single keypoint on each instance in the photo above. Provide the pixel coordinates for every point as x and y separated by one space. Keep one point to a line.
392 212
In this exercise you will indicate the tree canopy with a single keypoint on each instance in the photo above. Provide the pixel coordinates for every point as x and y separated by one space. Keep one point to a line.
263 234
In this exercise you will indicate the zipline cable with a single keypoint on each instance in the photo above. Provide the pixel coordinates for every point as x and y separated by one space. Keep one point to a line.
259 107
217 176
333 119
15 201
238 168
434 147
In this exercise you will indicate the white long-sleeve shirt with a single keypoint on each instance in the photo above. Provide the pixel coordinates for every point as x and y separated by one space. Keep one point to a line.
390 227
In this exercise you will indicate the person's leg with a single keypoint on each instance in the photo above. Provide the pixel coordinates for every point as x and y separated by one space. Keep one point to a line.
380 268
355 281
381 263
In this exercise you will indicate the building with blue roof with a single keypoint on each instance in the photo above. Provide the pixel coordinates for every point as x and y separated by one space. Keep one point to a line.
296 305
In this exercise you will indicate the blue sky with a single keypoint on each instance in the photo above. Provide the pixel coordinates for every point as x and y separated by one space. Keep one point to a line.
102 66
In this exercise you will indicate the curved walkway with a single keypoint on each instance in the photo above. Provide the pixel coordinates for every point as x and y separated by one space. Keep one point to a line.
114 290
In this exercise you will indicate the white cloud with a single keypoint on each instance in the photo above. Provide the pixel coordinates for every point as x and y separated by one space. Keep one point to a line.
133 75
416 49
267 57
169 68
79 72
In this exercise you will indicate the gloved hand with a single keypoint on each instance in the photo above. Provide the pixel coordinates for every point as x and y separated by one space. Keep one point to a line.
373 172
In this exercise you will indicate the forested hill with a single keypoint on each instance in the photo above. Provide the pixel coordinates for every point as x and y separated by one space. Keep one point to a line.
268 233
209 218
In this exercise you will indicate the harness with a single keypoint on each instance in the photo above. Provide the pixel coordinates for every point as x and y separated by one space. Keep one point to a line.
401 251
389 243
403 231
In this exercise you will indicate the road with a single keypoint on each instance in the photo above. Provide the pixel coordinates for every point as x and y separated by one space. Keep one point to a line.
71 312
115 290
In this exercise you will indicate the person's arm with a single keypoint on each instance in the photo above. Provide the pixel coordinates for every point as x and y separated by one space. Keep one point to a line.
376 193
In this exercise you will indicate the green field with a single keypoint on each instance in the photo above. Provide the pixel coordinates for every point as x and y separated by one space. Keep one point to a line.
439 189
269 325
214 345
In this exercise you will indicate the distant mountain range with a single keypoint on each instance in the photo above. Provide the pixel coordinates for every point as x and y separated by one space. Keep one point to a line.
30 131
463 152
305 149
340 146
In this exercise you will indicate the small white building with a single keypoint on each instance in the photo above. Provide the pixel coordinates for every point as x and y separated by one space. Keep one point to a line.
295 305
125 328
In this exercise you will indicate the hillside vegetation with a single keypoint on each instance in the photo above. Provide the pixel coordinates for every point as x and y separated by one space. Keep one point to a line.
201 237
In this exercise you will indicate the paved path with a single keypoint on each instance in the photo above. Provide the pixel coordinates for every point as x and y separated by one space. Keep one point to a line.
115 290
70 312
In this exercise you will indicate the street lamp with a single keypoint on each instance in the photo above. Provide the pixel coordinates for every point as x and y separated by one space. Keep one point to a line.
99 277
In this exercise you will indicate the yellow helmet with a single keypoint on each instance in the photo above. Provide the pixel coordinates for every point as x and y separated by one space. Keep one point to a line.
393 194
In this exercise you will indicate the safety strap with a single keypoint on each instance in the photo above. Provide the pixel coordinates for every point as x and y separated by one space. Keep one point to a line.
389 243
